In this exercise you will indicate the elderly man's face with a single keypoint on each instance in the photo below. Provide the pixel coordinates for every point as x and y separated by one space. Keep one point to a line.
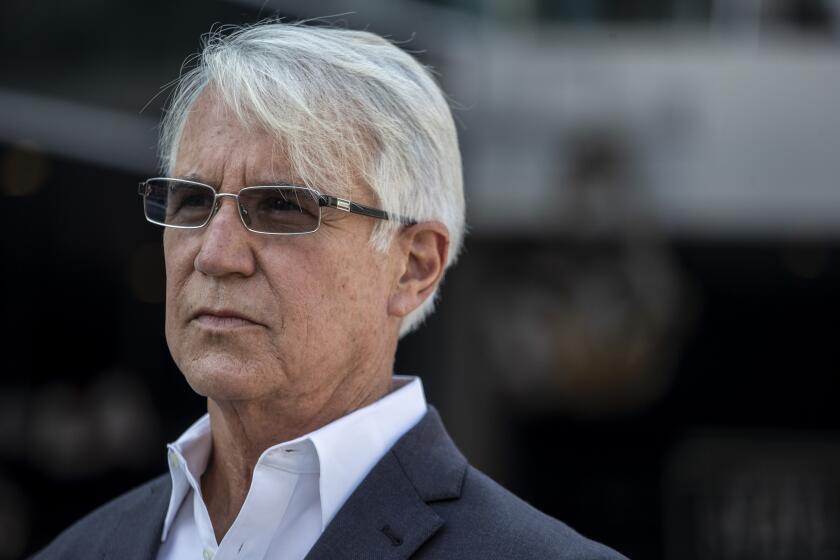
254 316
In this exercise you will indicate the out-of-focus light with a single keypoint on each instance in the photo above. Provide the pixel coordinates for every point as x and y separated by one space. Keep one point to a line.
586 333
80 431
128 426
63 433
146 274
23 170
763 495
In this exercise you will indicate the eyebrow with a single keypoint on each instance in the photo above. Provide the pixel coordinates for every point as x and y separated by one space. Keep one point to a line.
193 177
270 182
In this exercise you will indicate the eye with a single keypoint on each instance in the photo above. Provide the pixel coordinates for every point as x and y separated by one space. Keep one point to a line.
195 200
280 209
188 198
285 202
280 203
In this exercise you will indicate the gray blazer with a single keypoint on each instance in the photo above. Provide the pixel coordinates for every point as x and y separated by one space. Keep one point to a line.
421 501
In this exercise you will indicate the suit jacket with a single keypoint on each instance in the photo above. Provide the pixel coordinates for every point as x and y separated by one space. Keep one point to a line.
421 501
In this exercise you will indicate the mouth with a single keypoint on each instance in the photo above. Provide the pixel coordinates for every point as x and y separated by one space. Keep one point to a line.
223 319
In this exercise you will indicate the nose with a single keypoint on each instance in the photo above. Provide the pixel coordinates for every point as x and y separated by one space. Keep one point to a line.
226 246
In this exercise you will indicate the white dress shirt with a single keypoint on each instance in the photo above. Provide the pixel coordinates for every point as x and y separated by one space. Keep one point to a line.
297 486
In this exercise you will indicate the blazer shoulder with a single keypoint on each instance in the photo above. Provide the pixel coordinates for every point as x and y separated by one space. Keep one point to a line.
502 525
93 535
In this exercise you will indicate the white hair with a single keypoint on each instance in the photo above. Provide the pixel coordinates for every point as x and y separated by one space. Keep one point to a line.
348 107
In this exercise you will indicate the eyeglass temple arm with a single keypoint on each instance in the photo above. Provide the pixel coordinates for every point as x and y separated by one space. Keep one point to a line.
356 208
141 188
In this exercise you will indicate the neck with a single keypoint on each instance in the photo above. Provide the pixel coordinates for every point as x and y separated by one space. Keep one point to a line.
242 430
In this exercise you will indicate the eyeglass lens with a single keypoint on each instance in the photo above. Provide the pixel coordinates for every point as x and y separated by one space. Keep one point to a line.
282 209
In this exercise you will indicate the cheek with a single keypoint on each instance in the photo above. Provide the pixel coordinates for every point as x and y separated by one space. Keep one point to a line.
323 295
178 260
361 288
178 265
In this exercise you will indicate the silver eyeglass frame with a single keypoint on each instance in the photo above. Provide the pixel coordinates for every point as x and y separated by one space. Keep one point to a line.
323 201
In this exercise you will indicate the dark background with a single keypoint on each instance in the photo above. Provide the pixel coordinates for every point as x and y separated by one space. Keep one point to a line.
662 380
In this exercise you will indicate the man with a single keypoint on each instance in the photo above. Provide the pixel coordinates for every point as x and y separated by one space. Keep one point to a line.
312 203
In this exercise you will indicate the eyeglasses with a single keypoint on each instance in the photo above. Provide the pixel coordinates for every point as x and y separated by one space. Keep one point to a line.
274 210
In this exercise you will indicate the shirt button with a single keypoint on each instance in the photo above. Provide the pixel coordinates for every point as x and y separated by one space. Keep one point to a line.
208 554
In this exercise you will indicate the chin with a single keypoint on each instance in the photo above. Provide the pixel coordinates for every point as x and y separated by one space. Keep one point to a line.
223 379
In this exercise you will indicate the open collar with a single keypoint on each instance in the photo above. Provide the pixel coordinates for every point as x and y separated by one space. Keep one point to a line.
345 450
388 516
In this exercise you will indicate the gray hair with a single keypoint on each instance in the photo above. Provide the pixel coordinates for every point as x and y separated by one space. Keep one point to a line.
348 107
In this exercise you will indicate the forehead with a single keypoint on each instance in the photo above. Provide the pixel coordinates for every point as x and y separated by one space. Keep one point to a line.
218 148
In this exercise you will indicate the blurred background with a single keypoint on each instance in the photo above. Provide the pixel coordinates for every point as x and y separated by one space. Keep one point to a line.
640 339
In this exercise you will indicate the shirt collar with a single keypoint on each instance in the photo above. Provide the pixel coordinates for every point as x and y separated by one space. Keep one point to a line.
345 450
350 447
187 457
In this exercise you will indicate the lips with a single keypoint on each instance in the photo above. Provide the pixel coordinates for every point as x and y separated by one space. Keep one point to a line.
223 319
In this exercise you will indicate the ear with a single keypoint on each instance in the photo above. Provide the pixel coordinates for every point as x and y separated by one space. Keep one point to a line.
422 252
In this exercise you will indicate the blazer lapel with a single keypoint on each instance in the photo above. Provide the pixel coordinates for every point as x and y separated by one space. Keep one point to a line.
137 533
388 516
